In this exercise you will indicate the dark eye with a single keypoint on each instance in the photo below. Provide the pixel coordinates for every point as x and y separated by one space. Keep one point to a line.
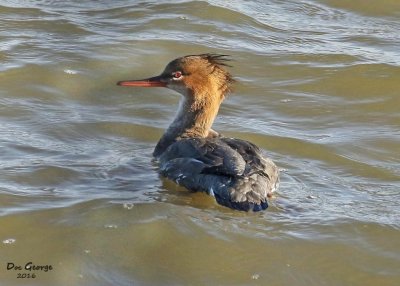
177 75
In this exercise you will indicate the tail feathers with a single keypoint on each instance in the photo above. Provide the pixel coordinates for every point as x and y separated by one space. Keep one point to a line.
245 193
242 206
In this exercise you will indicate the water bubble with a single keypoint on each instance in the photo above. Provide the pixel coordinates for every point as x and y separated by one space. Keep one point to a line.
255 276
128 206
68 71
9 241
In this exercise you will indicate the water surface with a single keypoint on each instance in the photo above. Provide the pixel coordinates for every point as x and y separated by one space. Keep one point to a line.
318 90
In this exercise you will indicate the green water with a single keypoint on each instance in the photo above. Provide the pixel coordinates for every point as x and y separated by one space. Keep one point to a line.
317 89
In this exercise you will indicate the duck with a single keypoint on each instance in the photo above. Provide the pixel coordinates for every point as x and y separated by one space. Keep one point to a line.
197 157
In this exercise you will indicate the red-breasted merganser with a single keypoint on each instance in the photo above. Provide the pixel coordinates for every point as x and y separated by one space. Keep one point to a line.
197 157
